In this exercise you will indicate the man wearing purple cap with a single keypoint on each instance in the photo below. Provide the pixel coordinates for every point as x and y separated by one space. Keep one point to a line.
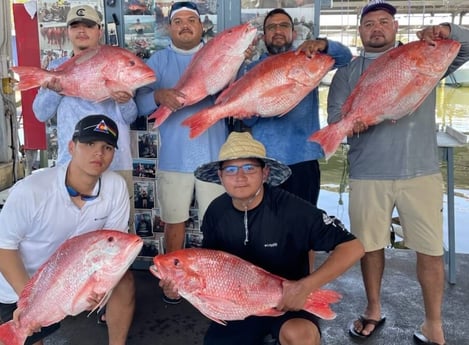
395 164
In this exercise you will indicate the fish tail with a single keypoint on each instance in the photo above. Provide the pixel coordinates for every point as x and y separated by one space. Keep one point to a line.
30 77
160 115
329 137
9 334
318 303
200 122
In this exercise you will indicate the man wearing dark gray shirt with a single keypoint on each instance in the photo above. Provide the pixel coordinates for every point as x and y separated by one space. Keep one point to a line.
395 165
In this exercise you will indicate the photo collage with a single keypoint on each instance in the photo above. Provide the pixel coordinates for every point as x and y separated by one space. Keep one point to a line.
147 221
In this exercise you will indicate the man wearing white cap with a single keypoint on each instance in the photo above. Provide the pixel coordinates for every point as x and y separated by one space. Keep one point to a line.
272 229
84 30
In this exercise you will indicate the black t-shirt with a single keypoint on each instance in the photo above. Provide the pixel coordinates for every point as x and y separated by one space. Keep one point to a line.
281 231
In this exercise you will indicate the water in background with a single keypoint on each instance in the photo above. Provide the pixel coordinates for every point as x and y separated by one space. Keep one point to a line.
452 110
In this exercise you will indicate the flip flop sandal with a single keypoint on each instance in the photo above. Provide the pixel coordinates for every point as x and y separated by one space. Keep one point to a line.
420 339
377 323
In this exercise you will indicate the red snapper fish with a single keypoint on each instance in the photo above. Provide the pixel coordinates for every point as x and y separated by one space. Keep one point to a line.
224 287
212 67
393 86
273 87
92 263
93 74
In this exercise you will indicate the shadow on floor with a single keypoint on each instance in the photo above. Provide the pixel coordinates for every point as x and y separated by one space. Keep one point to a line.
156 323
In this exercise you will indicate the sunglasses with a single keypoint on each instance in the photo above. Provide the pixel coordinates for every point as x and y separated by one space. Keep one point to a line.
74 193
181 4
231 170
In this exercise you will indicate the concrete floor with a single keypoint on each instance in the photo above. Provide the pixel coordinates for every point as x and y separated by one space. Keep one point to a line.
156 323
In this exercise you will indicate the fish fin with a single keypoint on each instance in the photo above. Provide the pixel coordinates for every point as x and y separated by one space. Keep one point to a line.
101 303
160 115
270 312
30 77
9 334
330 138
116 86
221 322
318 303
200 122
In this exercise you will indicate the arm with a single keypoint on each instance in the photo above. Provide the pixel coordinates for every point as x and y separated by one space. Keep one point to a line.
46 103
128 110
344 256
48 97
341 54
12 268
451 31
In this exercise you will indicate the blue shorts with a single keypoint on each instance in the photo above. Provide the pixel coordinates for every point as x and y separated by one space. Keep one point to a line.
6 314
252 330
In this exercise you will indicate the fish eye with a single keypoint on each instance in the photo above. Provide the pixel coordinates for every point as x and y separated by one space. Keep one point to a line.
132 63
110 239
176 262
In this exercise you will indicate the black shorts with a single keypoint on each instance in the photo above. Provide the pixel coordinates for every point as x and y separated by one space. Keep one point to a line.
252 330
6 314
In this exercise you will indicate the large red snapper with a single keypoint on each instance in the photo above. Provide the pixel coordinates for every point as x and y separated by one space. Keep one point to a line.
393 86
225 287
92 263
273 87
92 74
212 68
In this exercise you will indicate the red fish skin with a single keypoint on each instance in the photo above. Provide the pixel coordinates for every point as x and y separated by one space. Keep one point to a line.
272 88
90 263
212 68
92 74
401 79
224 287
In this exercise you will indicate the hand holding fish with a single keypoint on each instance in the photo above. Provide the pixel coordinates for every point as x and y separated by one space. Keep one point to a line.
170 98
358 127
294 296
431 33
121 96
31 328
169 288
53 84
94 299
309 47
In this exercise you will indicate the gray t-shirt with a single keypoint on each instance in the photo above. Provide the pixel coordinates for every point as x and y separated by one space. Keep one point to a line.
392 150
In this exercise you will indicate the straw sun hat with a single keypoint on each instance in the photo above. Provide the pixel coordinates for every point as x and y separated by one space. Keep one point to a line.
242 145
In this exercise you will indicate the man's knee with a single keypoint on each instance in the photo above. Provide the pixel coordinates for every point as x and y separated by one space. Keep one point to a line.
299 331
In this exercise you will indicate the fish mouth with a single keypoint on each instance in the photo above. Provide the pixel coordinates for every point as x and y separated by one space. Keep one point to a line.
155 272
146 79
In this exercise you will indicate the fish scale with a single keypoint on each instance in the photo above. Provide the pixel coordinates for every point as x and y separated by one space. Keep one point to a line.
218 61
67 276
93 74
271 88
224 287
401 79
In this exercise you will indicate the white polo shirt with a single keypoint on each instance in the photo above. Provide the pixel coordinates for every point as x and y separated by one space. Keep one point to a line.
39 216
